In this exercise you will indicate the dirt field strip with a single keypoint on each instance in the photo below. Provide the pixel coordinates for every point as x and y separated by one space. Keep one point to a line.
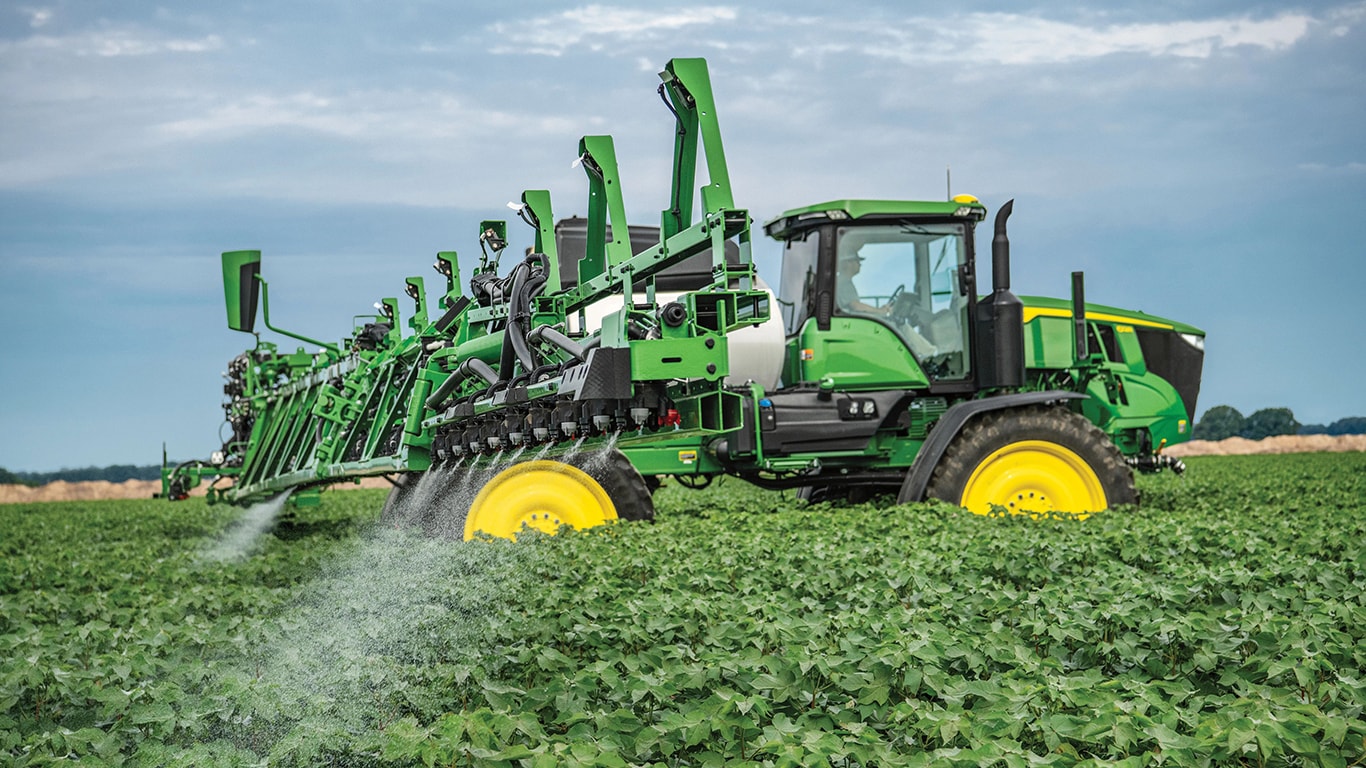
1238 446
99 490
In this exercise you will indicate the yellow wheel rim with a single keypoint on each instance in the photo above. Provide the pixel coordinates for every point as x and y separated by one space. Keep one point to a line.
538 494
1034 476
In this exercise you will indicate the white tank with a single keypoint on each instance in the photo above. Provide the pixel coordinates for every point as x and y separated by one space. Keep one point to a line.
755 353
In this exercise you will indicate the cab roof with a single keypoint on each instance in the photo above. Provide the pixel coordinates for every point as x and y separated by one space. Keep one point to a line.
844 210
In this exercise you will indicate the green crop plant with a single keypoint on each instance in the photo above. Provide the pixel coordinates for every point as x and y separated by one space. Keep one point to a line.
1223 626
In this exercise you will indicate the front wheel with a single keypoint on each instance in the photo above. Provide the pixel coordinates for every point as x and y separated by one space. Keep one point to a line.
545 494
1035 459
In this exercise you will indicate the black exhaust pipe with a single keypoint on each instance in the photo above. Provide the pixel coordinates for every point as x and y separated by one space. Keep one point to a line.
1079 338
1000 251
1000 318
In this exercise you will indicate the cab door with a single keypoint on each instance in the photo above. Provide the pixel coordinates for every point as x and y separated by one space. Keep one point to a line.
877 304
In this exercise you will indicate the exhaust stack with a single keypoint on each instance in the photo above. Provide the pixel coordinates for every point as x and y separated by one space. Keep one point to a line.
1080 343
1000 318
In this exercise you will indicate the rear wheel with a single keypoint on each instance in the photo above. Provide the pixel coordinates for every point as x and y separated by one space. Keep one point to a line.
431 502
1035 459
545 494
393 503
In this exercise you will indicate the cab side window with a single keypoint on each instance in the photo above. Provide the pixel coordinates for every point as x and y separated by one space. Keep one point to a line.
797 285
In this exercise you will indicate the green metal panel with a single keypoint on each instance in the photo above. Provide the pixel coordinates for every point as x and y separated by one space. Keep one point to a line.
1126 399
487 348
857 353
681 457
1048 342
1041 306
667 359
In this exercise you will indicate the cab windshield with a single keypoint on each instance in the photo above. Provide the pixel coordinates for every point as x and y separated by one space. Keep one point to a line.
906 275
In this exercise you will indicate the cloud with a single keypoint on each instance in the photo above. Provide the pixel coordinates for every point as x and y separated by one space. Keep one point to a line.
1010 39
596 25
1340 169
1342 19
106 43
307 111
1014 39
385 116
37 17
966 38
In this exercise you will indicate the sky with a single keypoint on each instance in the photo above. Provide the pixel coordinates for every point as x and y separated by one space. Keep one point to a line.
1203 161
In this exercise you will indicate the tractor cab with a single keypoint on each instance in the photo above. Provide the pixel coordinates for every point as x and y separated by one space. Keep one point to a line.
878 294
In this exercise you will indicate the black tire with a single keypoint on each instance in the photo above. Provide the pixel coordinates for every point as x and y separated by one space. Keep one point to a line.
419 500
630 493
393 503
1028 457
842 494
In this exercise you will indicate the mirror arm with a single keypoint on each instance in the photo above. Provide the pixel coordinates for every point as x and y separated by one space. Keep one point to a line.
265 315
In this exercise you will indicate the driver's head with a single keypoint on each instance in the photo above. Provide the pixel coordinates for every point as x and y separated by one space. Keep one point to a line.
850 262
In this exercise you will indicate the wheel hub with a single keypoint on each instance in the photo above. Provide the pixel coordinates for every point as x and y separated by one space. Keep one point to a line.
538 494
1034 476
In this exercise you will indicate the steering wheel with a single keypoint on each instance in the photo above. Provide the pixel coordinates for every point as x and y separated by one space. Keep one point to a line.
902 308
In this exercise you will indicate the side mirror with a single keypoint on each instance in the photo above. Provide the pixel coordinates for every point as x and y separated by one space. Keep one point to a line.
241 288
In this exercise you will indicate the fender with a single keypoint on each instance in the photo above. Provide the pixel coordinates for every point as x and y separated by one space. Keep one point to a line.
952 423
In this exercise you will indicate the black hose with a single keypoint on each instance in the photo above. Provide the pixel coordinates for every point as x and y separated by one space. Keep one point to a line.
530 279
520 348
509 357
472 366
515 339
475 366
534 287
549 334
542 372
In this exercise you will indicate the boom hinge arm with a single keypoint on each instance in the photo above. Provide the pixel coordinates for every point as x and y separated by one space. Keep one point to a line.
687 90
537 212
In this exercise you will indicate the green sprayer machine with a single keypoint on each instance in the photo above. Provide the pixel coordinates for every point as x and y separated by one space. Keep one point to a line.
614 356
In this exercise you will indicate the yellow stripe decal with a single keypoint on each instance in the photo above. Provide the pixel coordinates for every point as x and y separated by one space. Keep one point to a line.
1032 312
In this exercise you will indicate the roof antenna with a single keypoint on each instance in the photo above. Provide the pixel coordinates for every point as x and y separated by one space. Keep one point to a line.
948 182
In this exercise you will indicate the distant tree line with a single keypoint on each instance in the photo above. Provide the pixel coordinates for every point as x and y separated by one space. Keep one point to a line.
1352 425
114 474
1224 421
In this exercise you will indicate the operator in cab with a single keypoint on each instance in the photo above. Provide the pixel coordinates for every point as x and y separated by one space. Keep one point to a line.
849 300
846 293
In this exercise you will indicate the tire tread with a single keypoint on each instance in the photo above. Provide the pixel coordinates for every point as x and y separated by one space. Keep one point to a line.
996 429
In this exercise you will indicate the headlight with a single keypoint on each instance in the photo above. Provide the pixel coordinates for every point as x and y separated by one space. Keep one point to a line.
1195 341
